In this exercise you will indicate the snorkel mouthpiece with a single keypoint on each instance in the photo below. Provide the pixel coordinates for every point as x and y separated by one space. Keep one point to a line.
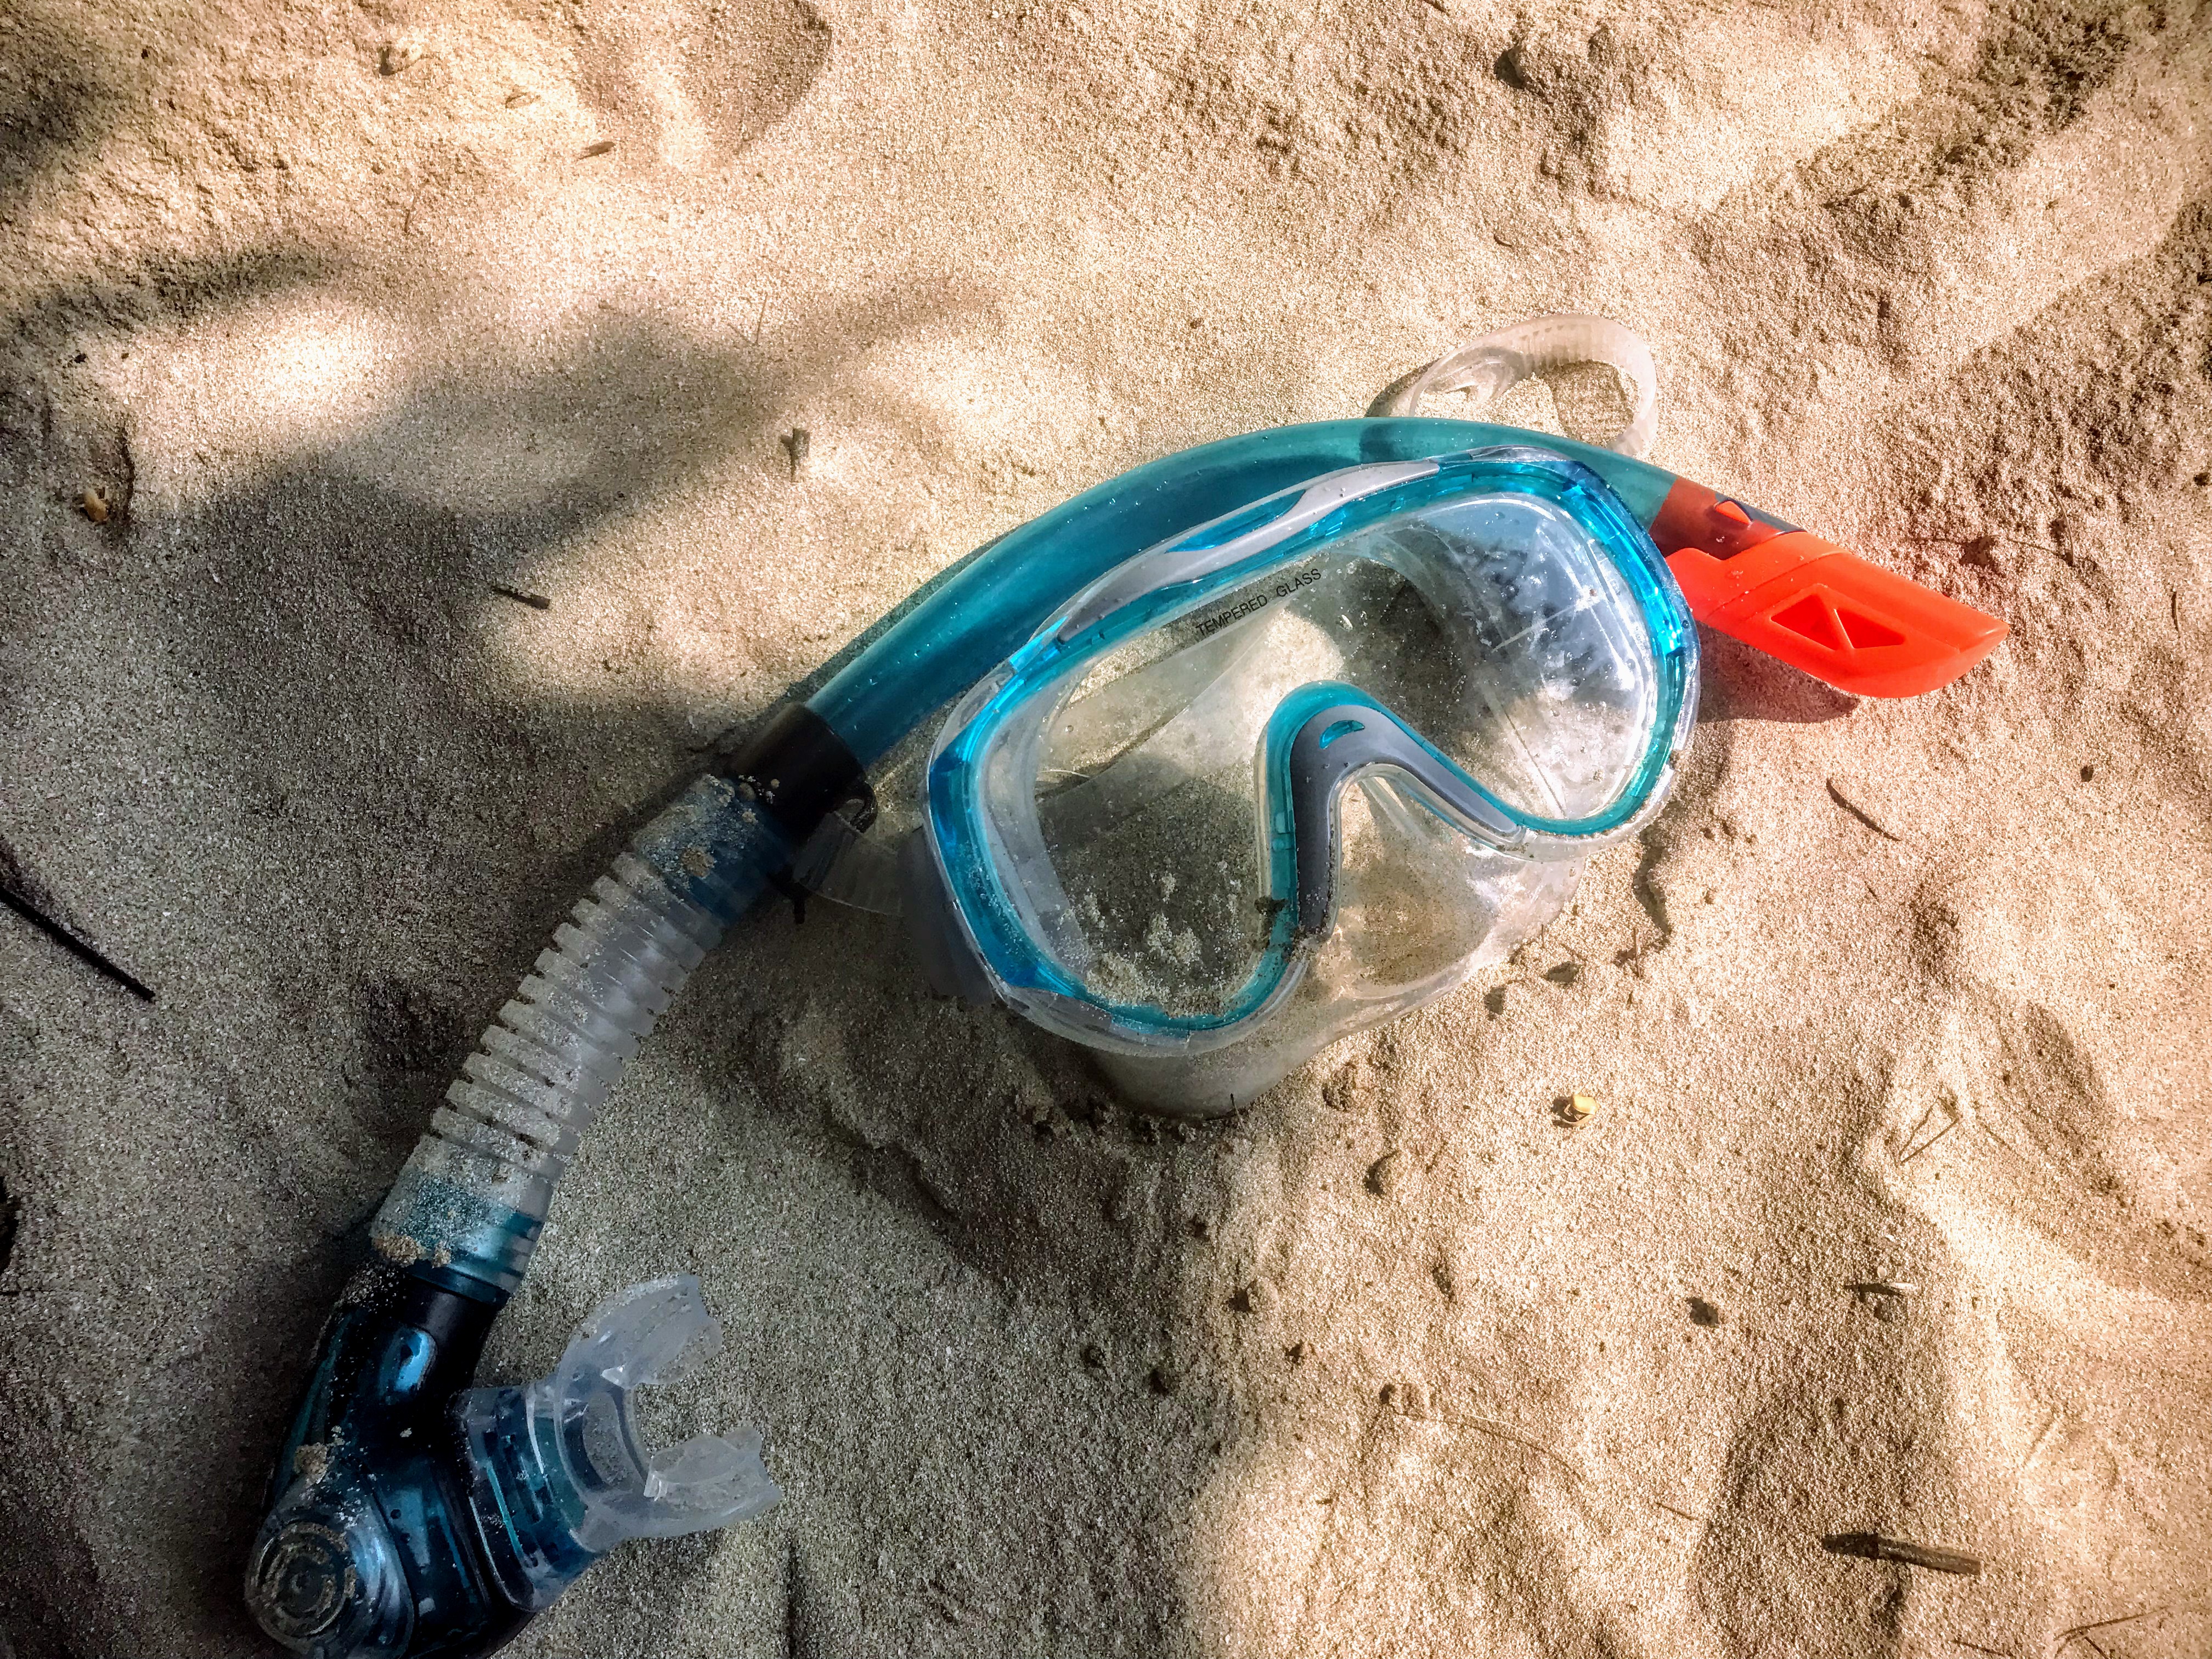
558 1474
420 1522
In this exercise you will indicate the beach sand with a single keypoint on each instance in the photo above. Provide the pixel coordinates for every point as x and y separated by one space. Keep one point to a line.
1395 1363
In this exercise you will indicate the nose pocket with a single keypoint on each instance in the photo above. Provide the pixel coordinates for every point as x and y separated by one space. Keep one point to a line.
1322 737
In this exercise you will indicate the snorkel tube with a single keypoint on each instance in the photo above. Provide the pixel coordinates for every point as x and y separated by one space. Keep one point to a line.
412 1514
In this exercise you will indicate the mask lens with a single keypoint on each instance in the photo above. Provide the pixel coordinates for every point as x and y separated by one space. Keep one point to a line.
1541 687
1145 797
1413 895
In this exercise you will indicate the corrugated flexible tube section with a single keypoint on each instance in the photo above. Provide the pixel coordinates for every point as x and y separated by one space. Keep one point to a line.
472 1197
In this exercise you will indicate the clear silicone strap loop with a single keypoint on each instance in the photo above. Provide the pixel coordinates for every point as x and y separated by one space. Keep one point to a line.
1489 366
850 866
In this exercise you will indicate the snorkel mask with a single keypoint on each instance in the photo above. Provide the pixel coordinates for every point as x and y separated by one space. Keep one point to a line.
1248 748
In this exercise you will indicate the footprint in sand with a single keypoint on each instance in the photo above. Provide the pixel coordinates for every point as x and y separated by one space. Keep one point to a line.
693 88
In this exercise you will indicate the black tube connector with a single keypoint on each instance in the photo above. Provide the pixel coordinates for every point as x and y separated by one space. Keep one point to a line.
799 771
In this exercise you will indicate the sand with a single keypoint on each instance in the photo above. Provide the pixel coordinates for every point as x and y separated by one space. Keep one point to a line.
1395 1361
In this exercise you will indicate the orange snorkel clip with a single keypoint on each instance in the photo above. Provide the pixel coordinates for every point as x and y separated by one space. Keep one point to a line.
1789 593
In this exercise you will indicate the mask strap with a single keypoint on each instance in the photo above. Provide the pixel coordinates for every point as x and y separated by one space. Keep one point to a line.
1489 366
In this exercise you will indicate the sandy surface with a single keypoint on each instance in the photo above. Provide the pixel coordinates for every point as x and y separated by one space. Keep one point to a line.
342 348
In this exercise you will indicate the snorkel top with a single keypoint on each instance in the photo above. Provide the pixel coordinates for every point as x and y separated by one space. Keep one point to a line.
410 1513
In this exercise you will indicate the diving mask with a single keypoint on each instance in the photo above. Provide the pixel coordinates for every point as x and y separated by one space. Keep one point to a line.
1306 765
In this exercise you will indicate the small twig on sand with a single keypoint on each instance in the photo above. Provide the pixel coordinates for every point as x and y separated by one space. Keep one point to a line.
1967 541
535 601
1496 1431
2081 1633
1999 1139
70 943
1961 1642
1860 813
2042 1436
1632 957
1873 1546
1926 1143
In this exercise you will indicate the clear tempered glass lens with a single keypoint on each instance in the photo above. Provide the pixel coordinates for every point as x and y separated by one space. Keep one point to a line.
1132 816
